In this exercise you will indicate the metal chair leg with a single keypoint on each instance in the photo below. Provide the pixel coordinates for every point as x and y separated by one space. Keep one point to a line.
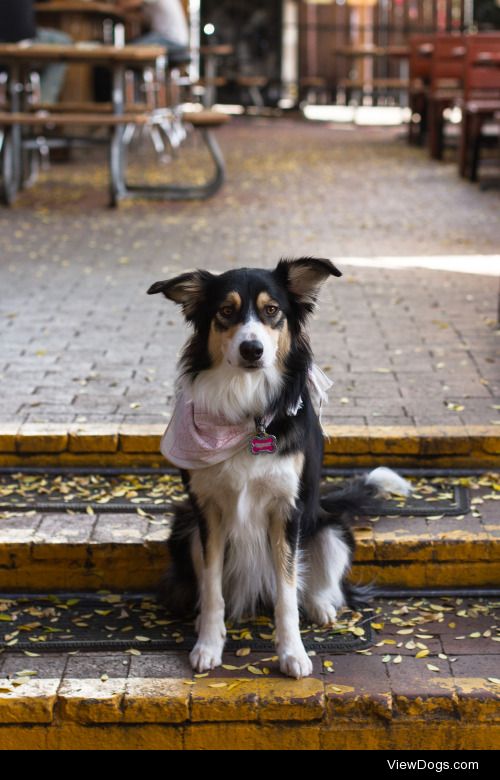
10 169
475 146
118 189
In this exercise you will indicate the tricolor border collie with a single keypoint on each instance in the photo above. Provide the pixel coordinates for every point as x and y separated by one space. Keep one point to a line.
255 533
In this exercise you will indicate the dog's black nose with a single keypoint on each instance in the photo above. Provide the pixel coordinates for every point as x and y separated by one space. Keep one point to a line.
251 350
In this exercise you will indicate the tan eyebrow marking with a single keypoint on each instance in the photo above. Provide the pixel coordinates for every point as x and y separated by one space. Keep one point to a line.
232 299
264 299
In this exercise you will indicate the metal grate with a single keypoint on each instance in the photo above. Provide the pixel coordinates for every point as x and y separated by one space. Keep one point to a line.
41 623
156 492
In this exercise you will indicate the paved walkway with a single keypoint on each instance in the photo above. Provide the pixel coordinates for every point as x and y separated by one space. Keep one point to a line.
81 341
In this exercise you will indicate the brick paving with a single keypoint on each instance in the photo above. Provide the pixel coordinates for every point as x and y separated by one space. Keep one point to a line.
81 342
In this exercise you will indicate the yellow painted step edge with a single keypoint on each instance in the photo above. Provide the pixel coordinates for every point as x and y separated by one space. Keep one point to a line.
298 714
413 735
42 566
215 699
107 444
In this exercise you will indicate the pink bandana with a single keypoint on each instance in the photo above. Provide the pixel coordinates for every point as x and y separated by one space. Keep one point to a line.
195 439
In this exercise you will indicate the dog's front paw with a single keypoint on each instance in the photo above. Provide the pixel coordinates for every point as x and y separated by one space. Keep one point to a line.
296 663
205 656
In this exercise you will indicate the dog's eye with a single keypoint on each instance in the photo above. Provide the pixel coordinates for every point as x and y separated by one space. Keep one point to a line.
271 310
226 311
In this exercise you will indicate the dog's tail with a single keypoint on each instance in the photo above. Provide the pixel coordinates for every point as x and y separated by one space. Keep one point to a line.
361 495
358 596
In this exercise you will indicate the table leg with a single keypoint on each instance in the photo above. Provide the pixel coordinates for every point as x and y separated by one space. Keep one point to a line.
436 128
162 86
12 142
475 144
9 186
404 75
186 191
210 74
118 189
464 144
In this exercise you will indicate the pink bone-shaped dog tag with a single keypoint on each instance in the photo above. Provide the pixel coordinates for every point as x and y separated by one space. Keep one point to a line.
262 443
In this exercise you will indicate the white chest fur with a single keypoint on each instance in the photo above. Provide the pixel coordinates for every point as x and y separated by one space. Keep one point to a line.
246 489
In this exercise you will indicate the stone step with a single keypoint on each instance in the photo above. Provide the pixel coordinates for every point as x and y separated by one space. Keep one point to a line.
383 697
81 551
348 446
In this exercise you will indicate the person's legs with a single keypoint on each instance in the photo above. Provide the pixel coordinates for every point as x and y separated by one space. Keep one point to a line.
177 53
52 76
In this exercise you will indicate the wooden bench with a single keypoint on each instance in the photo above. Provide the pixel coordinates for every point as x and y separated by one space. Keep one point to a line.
205 81
87 107
481 99
204 121
253 85
374 83
55 118
313 81
60 116
313 89
205 118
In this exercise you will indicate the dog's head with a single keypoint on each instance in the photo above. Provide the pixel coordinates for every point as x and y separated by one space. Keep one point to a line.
248 318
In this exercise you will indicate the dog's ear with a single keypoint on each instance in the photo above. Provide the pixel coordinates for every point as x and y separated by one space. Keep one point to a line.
188 290
304 276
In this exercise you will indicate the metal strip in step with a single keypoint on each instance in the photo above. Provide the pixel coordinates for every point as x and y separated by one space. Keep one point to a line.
79 621
155 492
41 623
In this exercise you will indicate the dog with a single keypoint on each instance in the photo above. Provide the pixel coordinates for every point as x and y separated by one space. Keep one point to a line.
256 533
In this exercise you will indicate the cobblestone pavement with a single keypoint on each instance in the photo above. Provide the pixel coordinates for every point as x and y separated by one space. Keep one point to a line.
81 342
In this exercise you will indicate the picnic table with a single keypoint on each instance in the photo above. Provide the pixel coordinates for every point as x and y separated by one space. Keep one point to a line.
369 50
367 54
211 54
80 6
82 20
18 57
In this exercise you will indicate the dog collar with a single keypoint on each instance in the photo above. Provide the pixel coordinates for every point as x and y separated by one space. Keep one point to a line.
195 439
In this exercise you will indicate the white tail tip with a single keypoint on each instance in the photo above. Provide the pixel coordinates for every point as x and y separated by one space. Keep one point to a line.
387 481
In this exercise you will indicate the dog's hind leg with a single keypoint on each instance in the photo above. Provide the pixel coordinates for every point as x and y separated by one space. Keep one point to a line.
207 652
327 561
293 658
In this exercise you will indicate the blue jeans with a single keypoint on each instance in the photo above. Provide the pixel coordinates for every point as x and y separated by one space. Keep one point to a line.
52 76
